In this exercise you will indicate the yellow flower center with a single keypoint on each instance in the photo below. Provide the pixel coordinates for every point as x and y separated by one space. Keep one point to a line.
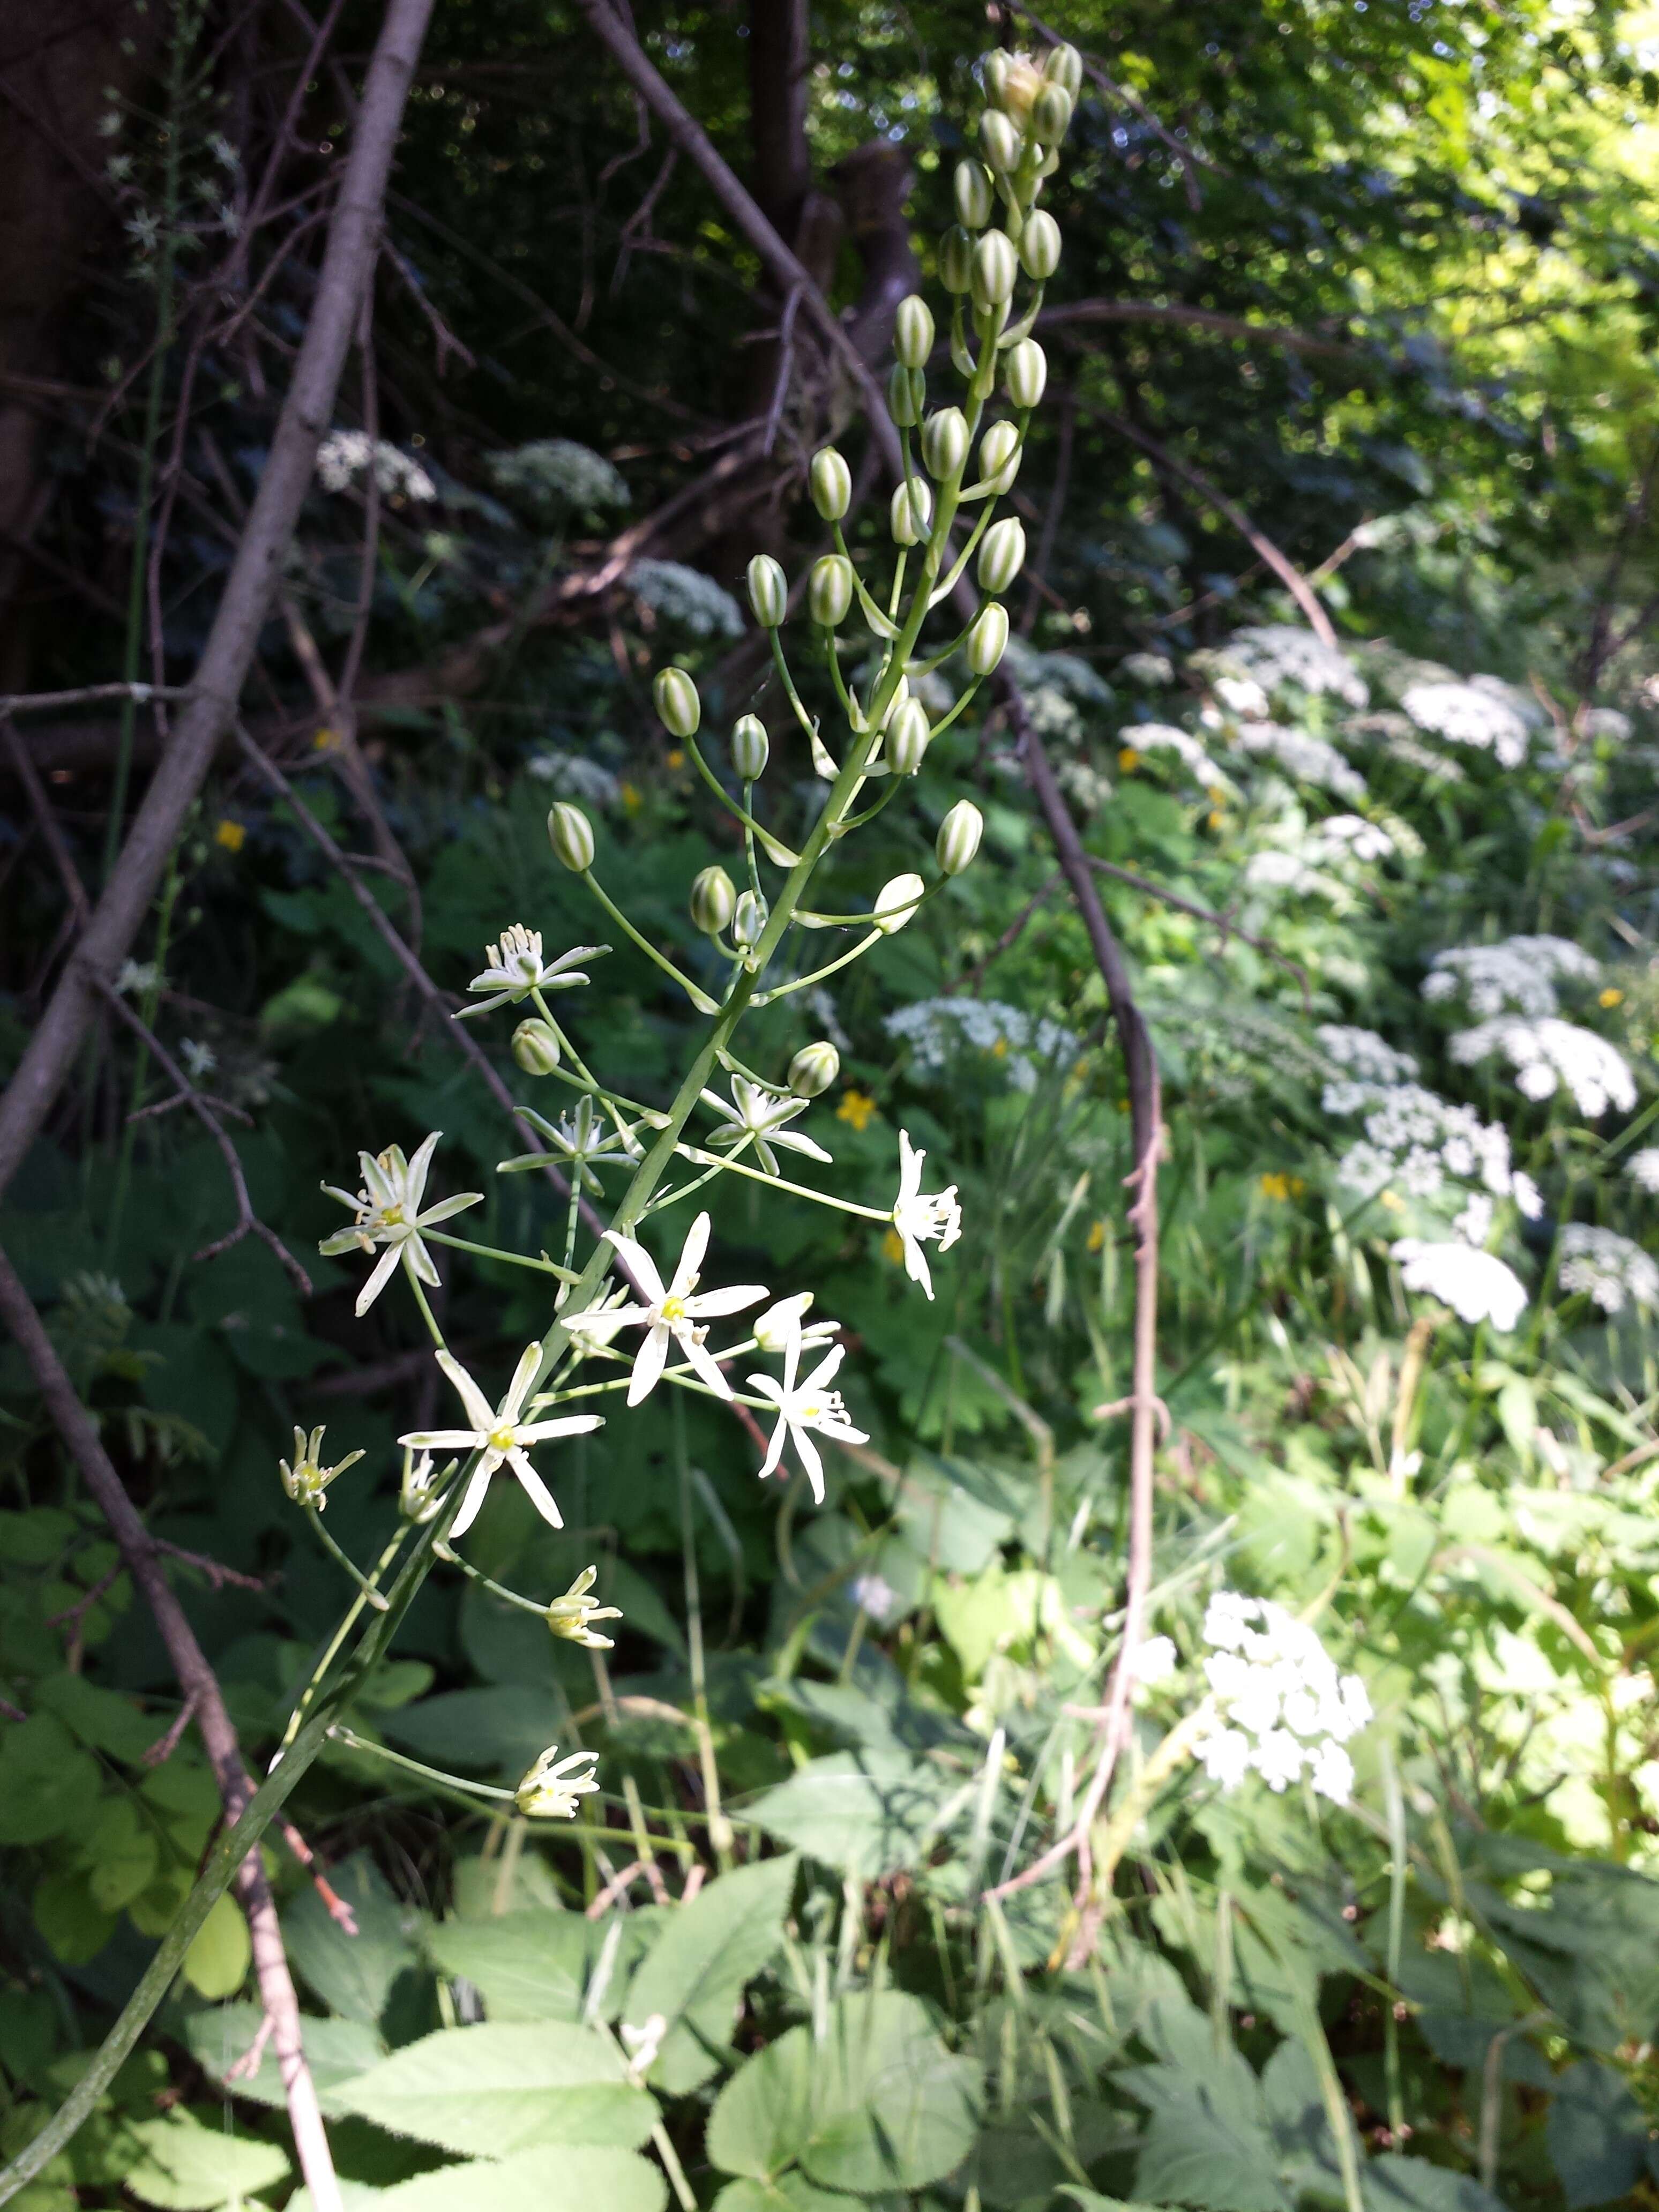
502 1440
673 1312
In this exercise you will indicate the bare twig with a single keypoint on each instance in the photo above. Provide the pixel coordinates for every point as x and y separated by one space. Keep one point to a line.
33 702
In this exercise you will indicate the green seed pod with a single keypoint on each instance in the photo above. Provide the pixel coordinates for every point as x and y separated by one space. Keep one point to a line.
1064 65
1000 143
829 590
1039 246
713 901
1001 555
896 903
912 331
570 834
945 442
1051 114
999 455
955 259
912 511
1025 372
831 482
535 1047
958 837
768 590
813 1069
678 707
996 265
906 393
975 194
750 747
748 920
989 638
908 733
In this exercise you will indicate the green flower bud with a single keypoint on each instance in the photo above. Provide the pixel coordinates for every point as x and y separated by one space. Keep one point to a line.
897 902
813 1069
993 72
1025 372
999 454
831 482
1001 555
1064 65
955 259
912 331
1000 143
944 442
907 392
958 836
713 901
1039 246
996 265
749 921
678 707
750 747
908 733
989 638
571 836
829 590
1051 114
975 195
536 1047
768 590
912 511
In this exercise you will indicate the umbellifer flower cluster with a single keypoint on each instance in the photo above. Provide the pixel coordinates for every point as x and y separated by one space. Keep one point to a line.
1609 1269
1548 1054
1282 1710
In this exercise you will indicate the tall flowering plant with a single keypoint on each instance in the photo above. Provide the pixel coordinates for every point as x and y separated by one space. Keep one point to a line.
619 1326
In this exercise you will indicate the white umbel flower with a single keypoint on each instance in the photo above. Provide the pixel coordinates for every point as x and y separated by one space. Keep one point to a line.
1281 1709
1643 1169
808 1405
554 1787
500 1436
1517 975
389 1212
670 1313
761 1117
919 1218
1548 1052
515 968
1610 1270
1477 1286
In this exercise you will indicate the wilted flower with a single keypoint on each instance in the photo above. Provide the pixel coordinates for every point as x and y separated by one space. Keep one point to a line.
388 1211
499 1436
571 1616
918 1218
554 1787
642 2043
307 1479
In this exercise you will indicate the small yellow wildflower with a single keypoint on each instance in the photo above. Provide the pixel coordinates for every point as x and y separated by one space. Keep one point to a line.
856 1107
1393 1201
1213 819
326 739
999 1049
231 834
1611 997
1097 1235
892 1247
1282 1187
631 800
677 759
1128 760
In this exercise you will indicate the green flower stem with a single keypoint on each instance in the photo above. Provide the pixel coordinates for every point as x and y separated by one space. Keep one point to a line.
904 553
817 975
296 1718
943 591
452 1559
807 723
353 1741
364 1584
748 839
965 701
539 1000
894 785
850 705
700 1158
427 1314
777 853
882 624
699 998
491 1252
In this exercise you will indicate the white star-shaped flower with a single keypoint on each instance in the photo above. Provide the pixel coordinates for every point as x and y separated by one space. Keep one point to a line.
808 1405
388 1211
670 1313
918 1217
500 1436
581 1139
553 1789
772 1329
761 1114
516 969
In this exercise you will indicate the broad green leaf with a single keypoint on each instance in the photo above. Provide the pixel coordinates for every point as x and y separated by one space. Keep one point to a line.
189 2163
69 1917
48 1785
123 1852
102 1719
705 1955
486 2091
217 1963
335 2050
1392 2184
865 1812
1090 2201
505 1728
763 2114
585 2175
352 1974
526 1966
1597 2135
892 2107
1205 2143
792 2192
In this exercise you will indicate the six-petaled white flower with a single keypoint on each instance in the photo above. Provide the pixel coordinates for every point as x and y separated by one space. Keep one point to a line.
571 1617
759 1115
918 1217
554 1787
500 1436
516 969
802 1407
388 1211
670 1313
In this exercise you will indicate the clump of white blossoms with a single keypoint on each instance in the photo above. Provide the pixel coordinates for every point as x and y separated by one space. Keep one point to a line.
686 598
1151 671
1518 976
1417 1141
1306 758
1477 1286
937 1029
557 473
1468 714
1166 737
344 455
1609 1269
1643 1167
1280 653
1368 1058
1282 1710
1547 1053
1350 837
573 775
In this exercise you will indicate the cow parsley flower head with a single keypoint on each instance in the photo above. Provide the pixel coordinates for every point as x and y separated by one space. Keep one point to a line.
1643 1169
499 1436
1151 670
1281 1708
1477 1286
1416 1140
388 1212
919 1218
1469 715
514 968
805 1405
1350 836
554 1787
760 1117
1165 737
938 1030
344 455
1306 758
670 1313
1549 1053
1367 1057
1609 1269
686 598
1279 653
1518 976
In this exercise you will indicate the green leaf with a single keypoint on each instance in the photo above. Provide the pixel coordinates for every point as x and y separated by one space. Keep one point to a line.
505 1728
1091 2202
764 2113
1597 2135
866 1813
793 2192
1206 2142
489 2090
585 2174
335 2050
192 2164
48 1785
526 1966
1392 2184
123 1855
102 1719
352 1974
72 1921
217 1963
705 1955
